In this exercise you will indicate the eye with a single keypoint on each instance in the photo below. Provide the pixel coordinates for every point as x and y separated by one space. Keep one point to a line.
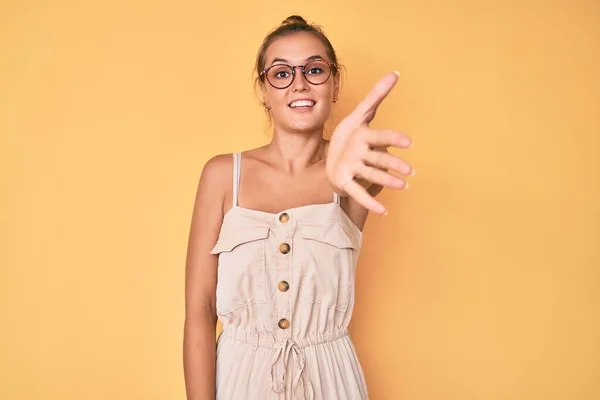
282 74
278 72
316 68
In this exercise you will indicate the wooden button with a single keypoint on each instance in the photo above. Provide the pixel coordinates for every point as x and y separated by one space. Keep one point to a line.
283 286
284 323
283 218
284 248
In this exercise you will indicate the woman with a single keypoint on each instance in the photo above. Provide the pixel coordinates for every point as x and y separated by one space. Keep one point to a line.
276 233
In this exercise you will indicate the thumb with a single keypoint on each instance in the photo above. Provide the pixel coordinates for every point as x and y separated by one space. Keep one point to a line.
365 111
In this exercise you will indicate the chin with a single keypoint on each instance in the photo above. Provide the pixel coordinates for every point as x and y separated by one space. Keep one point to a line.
302 122
306 126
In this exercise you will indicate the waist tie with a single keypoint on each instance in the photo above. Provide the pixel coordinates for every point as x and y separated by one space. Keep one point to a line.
279 369
283 350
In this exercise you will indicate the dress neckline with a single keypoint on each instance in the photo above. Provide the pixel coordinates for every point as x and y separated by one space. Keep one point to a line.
292 209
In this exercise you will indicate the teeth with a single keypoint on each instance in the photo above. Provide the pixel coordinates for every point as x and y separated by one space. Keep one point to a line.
302 103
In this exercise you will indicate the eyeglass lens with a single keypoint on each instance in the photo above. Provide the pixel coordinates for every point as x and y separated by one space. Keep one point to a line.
315 72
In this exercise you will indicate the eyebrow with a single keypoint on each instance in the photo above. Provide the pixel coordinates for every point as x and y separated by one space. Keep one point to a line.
311 58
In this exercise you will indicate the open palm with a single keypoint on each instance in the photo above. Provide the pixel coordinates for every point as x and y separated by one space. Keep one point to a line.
353 151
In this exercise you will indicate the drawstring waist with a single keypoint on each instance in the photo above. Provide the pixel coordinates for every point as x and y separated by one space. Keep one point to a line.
279 368
284 348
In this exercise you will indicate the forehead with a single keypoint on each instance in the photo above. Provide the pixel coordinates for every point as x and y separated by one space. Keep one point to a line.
296 48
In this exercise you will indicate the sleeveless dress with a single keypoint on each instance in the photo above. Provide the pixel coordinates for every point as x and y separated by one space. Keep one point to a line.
285 296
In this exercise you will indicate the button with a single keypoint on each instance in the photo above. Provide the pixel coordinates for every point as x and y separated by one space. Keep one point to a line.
283 286
284 323
284 248
283 218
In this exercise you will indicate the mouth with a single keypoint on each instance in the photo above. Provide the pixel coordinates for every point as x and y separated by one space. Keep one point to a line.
303 104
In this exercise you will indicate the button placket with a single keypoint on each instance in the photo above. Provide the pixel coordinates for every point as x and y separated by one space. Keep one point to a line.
283 299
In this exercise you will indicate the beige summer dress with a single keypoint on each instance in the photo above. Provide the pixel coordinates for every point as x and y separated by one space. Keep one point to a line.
285 296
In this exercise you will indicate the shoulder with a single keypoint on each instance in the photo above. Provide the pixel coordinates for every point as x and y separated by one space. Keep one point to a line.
218 165
217 172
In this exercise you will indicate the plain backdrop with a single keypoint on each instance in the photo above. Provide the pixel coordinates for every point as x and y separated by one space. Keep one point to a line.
480 284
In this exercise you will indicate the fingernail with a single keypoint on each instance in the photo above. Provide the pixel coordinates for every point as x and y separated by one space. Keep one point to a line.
397 73
385 213
413 172
406 186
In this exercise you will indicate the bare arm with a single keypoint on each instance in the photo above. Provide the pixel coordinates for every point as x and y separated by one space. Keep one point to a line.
199 347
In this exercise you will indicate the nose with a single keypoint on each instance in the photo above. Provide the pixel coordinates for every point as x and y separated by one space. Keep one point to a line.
299 83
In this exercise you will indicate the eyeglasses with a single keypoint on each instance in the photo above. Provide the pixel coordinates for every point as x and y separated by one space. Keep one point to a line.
281 76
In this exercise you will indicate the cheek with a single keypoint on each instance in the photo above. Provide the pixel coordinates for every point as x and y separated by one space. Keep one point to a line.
326 91
274 97
326 98
325 107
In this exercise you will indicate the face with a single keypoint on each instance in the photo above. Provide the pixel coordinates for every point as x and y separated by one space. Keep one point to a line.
302 106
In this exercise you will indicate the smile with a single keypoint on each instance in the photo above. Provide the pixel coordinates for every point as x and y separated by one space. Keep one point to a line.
302 104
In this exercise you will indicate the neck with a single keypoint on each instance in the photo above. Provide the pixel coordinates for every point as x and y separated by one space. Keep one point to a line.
297 151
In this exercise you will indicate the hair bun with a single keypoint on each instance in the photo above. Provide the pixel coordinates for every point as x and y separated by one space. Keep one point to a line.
294 19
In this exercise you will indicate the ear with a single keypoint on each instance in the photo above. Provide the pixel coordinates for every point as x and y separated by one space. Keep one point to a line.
263 93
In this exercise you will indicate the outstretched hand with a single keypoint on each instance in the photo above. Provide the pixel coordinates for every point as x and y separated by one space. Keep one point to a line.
352 151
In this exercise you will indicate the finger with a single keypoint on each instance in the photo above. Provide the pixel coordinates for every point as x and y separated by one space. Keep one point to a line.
365 111
384 138
380 177
388 162
362 197
379 148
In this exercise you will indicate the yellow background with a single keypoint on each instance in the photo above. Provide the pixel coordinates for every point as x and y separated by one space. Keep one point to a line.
481 284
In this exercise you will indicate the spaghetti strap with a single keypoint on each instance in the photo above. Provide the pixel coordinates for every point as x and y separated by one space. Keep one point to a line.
237 158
